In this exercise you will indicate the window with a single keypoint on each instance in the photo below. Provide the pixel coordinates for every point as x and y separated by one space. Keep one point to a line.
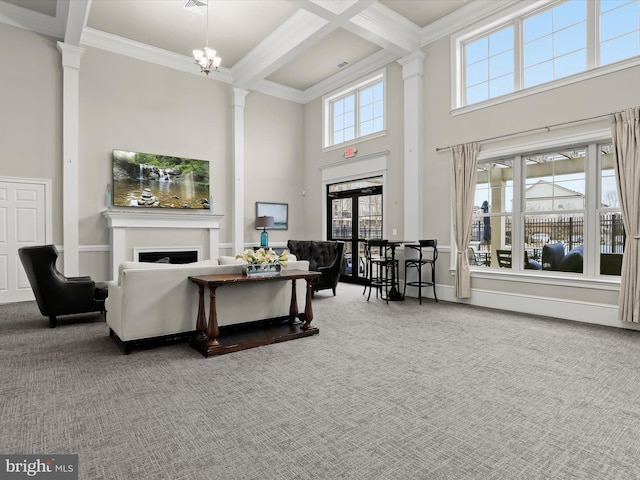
535 47
612 236
533 209
555 43
489 66
493 213
619 30
355 113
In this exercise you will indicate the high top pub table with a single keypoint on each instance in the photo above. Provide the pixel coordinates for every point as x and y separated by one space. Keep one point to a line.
210 341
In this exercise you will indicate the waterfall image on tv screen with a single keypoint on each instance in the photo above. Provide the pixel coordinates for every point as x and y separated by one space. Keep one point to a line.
150 180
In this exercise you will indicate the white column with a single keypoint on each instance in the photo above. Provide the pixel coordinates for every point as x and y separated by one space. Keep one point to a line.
70 121
237 221
412 74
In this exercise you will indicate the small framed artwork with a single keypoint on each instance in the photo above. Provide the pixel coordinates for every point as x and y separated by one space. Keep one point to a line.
279 212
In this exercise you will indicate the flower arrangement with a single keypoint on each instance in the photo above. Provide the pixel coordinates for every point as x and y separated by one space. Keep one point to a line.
261 256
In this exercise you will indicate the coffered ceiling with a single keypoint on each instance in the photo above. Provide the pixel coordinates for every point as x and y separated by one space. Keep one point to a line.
288 48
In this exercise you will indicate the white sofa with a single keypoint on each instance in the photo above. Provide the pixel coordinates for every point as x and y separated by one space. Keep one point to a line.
150 300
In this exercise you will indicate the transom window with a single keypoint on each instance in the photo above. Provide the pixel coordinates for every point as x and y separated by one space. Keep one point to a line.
532 48
355 113
555 43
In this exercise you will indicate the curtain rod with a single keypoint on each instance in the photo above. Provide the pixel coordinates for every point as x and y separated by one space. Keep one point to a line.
547 128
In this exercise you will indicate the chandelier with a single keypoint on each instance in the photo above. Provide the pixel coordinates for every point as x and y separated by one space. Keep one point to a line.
207 59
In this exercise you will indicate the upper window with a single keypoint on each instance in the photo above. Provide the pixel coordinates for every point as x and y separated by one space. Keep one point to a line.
555 43
619 30
356 112
489 66
536 47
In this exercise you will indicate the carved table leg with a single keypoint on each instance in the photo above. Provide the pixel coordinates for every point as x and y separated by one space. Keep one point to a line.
293 309
201 322
308 311
212 330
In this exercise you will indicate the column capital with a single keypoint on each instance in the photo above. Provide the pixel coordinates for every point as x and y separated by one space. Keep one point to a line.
413 64
71 55
239 96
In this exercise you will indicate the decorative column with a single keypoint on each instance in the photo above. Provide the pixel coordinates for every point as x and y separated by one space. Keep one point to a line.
70 122
412 74
237 221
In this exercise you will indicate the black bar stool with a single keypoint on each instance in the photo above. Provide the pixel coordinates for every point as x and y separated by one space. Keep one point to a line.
378 268
427 255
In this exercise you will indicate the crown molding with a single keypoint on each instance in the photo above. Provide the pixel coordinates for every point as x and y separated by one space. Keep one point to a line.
278 90
373 62
461 18
123 46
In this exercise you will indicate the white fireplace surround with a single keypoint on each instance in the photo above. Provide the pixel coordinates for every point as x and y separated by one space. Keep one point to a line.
119 221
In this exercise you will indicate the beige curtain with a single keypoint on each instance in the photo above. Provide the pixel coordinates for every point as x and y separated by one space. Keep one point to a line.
463 172
625 131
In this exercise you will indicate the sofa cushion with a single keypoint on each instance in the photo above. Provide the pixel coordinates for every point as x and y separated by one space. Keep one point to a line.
227 260
552 255
572 262
204 263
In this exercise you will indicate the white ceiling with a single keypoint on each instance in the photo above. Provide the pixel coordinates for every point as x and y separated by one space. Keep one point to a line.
289 48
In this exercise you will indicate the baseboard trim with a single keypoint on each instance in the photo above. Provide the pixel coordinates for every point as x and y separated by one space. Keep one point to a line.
585 312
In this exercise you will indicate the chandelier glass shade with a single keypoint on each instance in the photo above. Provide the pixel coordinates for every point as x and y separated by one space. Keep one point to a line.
207 59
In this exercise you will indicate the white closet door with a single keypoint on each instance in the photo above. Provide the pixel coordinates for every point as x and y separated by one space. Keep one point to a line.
22 223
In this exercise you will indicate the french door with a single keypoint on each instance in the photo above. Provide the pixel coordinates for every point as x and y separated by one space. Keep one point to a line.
354 216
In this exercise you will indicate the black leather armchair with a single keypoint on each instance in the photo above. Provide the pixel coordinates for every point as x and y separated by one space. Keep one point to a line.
325 257
56 294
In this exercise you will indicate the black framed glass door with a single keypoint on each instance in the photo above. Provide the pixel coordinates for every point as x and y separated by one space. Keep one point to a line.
354 216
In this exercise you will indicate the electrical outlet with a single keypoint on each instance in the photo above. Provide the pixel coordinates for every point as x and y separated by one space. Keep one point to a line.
394 232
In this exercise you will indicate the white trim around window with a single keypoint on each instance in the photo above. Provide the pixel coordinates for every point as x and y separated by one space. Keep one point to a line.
354 87
502 19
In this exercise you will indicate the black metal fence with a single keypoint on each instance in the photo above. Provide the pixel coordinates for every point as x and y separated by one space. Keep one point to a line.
567 229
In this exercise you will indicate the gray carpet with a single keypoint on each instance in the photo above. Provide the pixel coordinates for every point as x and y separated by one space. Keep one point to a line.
398 391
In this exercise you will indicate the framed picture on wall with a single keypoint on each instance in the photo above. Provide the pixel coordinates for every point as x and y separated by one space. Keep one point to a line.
279 212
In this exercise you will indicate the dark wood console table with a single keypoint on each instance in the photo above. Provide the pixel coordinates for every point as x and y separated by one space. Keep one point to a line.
208 340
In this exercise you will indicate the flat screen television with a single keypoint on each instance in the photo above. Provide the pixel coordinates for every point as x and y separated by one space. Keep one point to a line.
148 180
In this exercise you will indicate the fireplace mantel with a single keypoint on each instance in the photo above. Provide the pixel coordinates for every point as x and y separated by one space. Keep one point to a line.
119 221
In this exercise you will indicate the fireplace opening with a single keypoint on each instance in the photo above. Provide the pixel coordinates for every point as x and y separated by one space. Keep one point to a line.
188 256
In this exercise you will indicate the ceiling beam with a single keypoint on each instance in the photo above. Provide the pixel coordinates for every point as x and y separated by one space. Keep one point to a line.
386 28
76 21
296 34
314 21
38 22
